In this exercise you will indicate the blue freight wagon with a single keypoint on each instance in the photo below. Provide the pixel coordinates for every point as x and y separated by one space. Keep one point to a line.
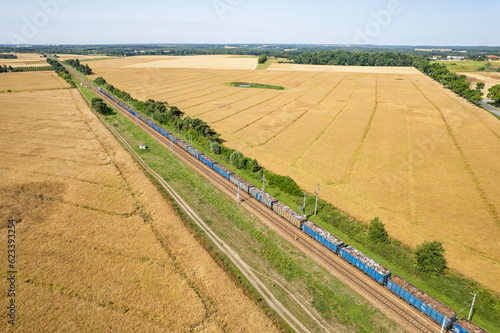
289 214
262 196
207 160
223 171
465 326
244 184
193 151
324 237
366 264
427 304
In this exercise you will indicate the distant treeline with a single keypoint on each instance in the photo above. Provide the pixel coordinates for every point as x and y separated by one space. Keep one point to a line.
455 82
7 56
10 69
75 63
357 58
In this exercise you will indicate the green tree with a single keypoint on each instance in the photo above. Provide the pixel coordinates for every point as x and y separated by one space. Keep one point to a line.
479 85
253 165
494 93
429 258
215 148
100 106
175 112
100 81
378 234
262 58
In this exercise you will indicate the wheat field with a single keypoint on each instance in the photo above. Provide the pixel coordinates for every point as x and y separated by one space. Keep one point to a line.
99 249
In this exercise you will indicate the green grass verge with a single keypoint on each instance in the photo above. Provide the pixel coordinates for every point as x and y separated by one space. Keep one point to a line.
261 248
467 66
253 85
266 65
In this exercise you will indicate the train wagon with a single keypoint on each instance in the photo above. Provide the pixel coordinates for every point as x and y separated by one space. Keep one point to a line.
183 144
324 237
427 304
193 151
262 196
223 171
244 184
289 214
466 326
365 263
208 160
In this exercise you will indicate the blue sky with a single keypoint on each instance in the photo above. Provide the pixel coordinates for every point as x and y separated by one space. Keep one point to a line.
386 22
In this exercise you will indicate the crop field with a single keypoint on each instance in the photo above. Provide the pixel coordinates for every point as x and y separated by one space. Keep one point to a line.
98 247
467 65
25 81
489 78
386 142
25 59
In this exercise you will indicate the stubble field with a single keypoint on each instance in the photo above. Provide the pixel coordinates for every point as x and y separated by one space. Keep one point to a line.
393 144
98 247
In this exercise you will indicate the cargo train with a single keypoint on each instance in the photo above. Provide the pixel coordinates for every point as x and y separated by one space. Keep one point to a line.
437 311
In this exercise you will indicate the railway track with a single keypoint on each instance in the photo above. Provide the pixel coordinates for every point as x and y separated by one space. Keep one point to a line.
405 314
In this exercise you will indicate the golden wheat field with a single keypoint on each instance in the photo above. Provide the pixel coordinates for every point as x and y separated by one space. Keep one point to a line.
380 142
98 247
21 81
25 59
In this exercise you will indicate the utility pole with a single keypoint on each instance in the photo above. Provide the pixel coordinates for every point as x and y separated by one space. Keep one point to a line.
472 306
238 196
316 205
263 181
304 207
178 130
152 116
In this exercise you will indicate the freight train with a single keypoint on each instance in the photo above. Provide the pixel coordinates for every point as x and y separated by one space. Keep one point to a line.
437 311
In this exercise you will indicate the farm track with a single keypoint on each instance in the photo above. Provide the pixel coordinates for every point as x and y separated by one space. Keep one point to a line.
395 307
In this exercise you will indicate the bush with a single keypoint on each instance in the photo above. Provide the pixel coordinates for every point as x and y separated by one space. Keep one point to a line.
100 106
284 183
377 233
429 258
262 58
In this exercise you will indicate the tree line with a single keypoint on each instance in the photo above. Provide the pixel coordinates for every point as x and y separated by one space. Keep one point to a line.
357 58
456 83
7 56
62 72
10 69
75 63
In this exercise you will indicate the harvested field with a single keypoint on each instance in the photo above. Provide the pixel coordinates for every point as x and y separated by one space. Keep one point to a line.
25 59
343 69
386 142
489 78
204 62
98 247
25 81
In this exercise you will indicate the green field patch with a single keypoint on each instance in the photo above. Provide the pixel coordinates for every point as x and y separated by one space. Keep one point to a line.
253 85
468 65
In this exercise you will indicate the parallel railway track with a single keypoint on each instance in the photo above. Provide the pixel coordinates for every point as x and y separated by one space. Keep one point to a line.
405 314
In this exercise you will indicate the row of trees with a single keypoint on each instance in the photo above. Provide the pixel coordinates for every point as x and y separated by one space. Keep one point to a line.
455 82
7 56
61 71
5 69
348 58
75 63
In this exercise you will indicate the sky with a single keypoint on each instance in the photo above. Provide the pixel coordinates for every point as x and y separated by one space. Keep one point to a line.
380 22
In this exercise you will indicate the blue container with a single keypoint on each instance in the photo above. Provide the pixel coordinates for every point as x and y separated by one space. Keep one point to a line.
193 151
366 264
334 244
222 170
408 292
207 160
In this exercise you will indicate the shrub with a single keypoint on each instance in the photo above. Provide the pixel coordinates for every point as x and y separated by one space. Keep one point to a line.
377 232
429 258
